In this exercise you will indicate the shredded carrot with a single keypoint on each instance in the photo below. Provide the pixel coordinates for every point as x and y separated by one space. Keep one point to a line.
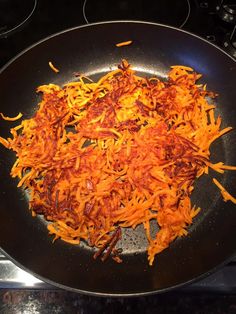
124 43
53 67
11 118
226 195
97 157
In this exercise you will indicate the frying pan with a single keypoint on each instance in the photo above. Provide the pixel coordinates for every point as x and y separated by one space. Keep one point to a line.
91 50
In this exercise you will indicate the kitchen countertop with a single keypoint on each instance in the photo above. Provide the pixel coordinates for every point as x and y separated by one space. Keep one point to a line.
59 301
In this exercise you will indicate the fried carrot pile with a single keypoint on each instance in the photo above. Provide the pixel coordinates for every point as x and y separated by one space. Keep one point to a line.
101 156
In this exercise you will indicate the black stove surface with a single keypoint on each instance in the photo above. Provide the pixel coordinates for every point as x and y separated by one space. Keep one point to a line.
168 12
213 20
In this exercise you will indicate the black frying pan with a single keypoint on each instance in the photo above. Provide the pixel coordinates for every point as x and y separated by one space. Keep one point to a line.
91 50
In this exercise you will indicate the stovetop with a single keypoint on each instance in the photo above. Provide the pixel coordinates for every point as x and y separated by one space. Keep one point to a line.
22 23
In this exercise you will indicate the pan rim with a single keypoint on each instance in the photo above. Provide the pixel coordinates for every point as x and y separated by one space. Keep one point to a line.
181 285
104 294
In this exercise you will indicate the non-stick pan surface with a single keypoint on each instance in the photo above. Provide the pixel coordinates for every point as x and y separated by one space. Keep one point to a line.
91 50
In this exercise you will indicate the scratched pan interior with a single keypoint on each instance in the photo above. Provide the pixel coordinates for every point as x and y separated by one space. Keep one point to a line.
91 50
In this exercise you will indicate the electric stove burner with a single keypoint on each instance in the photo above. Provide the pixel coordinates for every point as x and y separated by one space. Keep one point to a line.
14 14
174 13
